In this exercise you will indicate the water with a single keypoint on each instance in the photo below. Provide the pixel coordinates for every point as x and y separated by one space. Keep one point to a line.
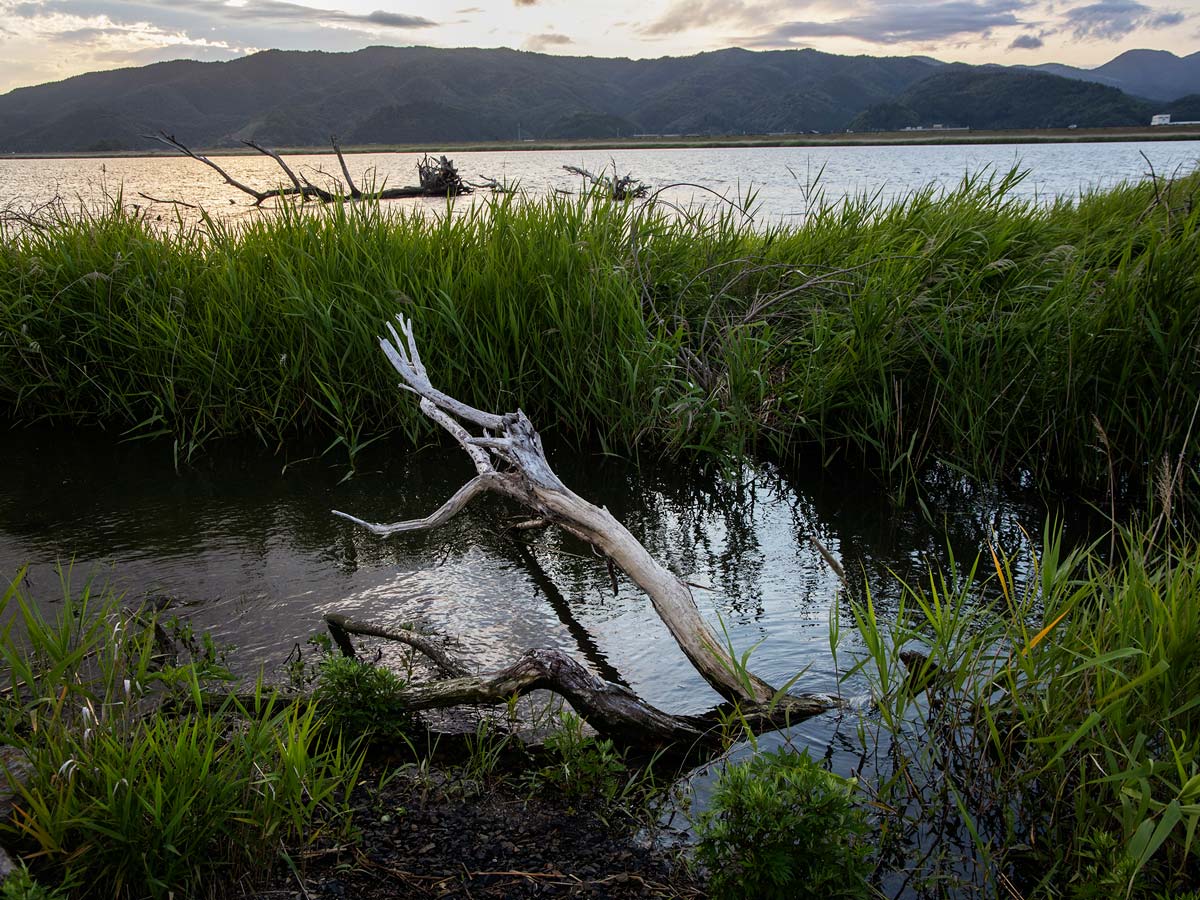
245 545
781 177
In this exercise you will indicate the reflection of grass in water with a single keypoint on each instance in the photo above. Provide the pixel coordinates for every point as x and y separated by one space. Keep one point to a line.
965 326
1053 740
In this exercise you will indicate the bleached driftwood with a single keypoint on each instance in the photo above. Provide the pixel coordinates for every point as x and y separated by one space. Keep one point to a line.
509 460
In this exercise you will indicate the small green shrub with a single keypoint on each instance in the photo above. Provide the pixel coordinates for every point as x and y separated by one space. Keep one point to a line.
358 699
780 826
582 765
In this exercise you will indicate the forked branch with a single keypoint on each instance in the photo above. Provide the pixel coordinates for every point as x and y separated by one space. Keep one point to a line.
509 459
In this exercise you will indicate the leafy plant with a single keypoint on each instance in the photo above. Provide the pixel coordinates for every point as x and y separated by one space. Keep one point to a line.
583 766
144 781
360 700
21 885
1067 708
780 826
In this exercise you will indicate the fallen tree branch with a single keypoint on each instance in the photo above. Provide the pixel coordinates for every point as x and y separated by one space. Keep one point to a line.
438 177
619 188
340 628
609 708
169 139
509 460
353 193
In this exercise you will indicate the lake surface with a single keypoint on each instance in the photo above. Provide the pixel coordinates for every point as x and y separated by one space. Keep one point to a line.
785 180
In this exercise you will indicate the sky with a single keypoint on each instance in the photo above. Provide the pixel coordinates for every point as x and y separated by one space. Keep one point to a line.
47 40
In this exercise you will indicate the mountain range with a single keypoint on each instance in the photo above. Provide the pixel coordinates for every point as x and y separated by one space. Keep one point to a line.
389 95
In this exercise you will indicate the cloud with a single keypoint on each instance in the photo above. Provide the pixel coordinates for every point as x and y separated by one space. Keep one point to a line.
902 23
397 20
540 42
1026 42
282 11
1113 19
101 34
216 12
684 15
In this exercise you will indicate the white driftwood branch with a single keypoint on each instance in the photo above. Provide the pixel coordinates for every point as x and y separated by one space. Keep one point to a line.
440 516
526 477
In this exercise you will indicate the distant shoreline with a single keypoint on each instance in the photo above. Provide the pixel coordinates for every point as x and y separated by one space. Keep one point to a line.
838 139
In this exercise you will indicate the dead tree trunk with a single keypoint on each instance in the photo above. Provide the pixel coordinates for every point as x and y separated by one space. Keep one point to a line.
509 460
438 177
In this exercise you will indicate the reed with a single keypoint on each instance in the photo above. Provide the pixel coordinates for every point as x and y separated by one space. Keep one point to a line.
125 797
1047 736
1005 339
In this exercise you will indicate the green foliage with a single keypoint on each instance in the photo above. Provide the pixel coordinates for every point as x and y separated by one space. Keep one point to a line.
485 750
582 766
136 801
21 885
990 99
359 700
1068 710
780 826
961 326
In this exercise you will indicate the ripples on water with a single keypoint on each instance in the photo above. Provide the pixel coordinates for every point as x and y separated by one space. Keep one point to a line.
246 544
782 179
246 547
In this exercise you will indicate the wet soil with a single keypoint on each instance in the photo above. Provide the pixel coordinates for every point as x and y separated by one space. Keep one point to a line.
429 834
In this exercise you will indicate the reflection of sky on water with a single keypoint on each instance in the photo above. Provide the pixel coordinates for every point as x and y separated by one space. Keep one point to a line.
247 545
784 180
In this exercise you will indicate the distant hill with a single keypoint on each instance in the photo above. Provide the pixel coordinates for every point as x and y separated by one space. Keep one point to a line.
383 95
413 94
1154 74
989 98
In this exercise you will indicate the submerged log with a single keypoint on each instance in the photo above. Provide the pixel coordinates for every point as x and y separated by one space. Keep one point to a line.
509 460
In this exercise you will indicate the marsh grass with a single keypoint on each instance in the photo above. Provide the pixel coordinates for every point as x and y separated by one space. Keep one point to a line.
1047 737
125 798
965 326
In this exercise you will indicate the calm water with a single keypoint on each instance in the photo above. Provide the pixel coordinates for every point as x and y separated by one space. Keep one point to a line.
245 544
782 177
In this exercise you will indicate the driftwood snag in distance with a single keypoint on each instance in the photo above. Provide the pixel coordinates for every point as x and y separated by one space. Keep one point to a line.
620 188
438 177
509 460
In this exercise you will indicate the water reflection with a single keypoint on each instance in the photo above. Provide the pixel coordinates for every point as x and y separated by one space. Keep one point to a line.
246 544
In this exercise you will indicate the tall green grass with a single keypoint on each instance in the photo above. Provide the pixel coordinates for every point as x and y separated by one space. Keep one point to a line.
1045 737
123 798
1002 338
